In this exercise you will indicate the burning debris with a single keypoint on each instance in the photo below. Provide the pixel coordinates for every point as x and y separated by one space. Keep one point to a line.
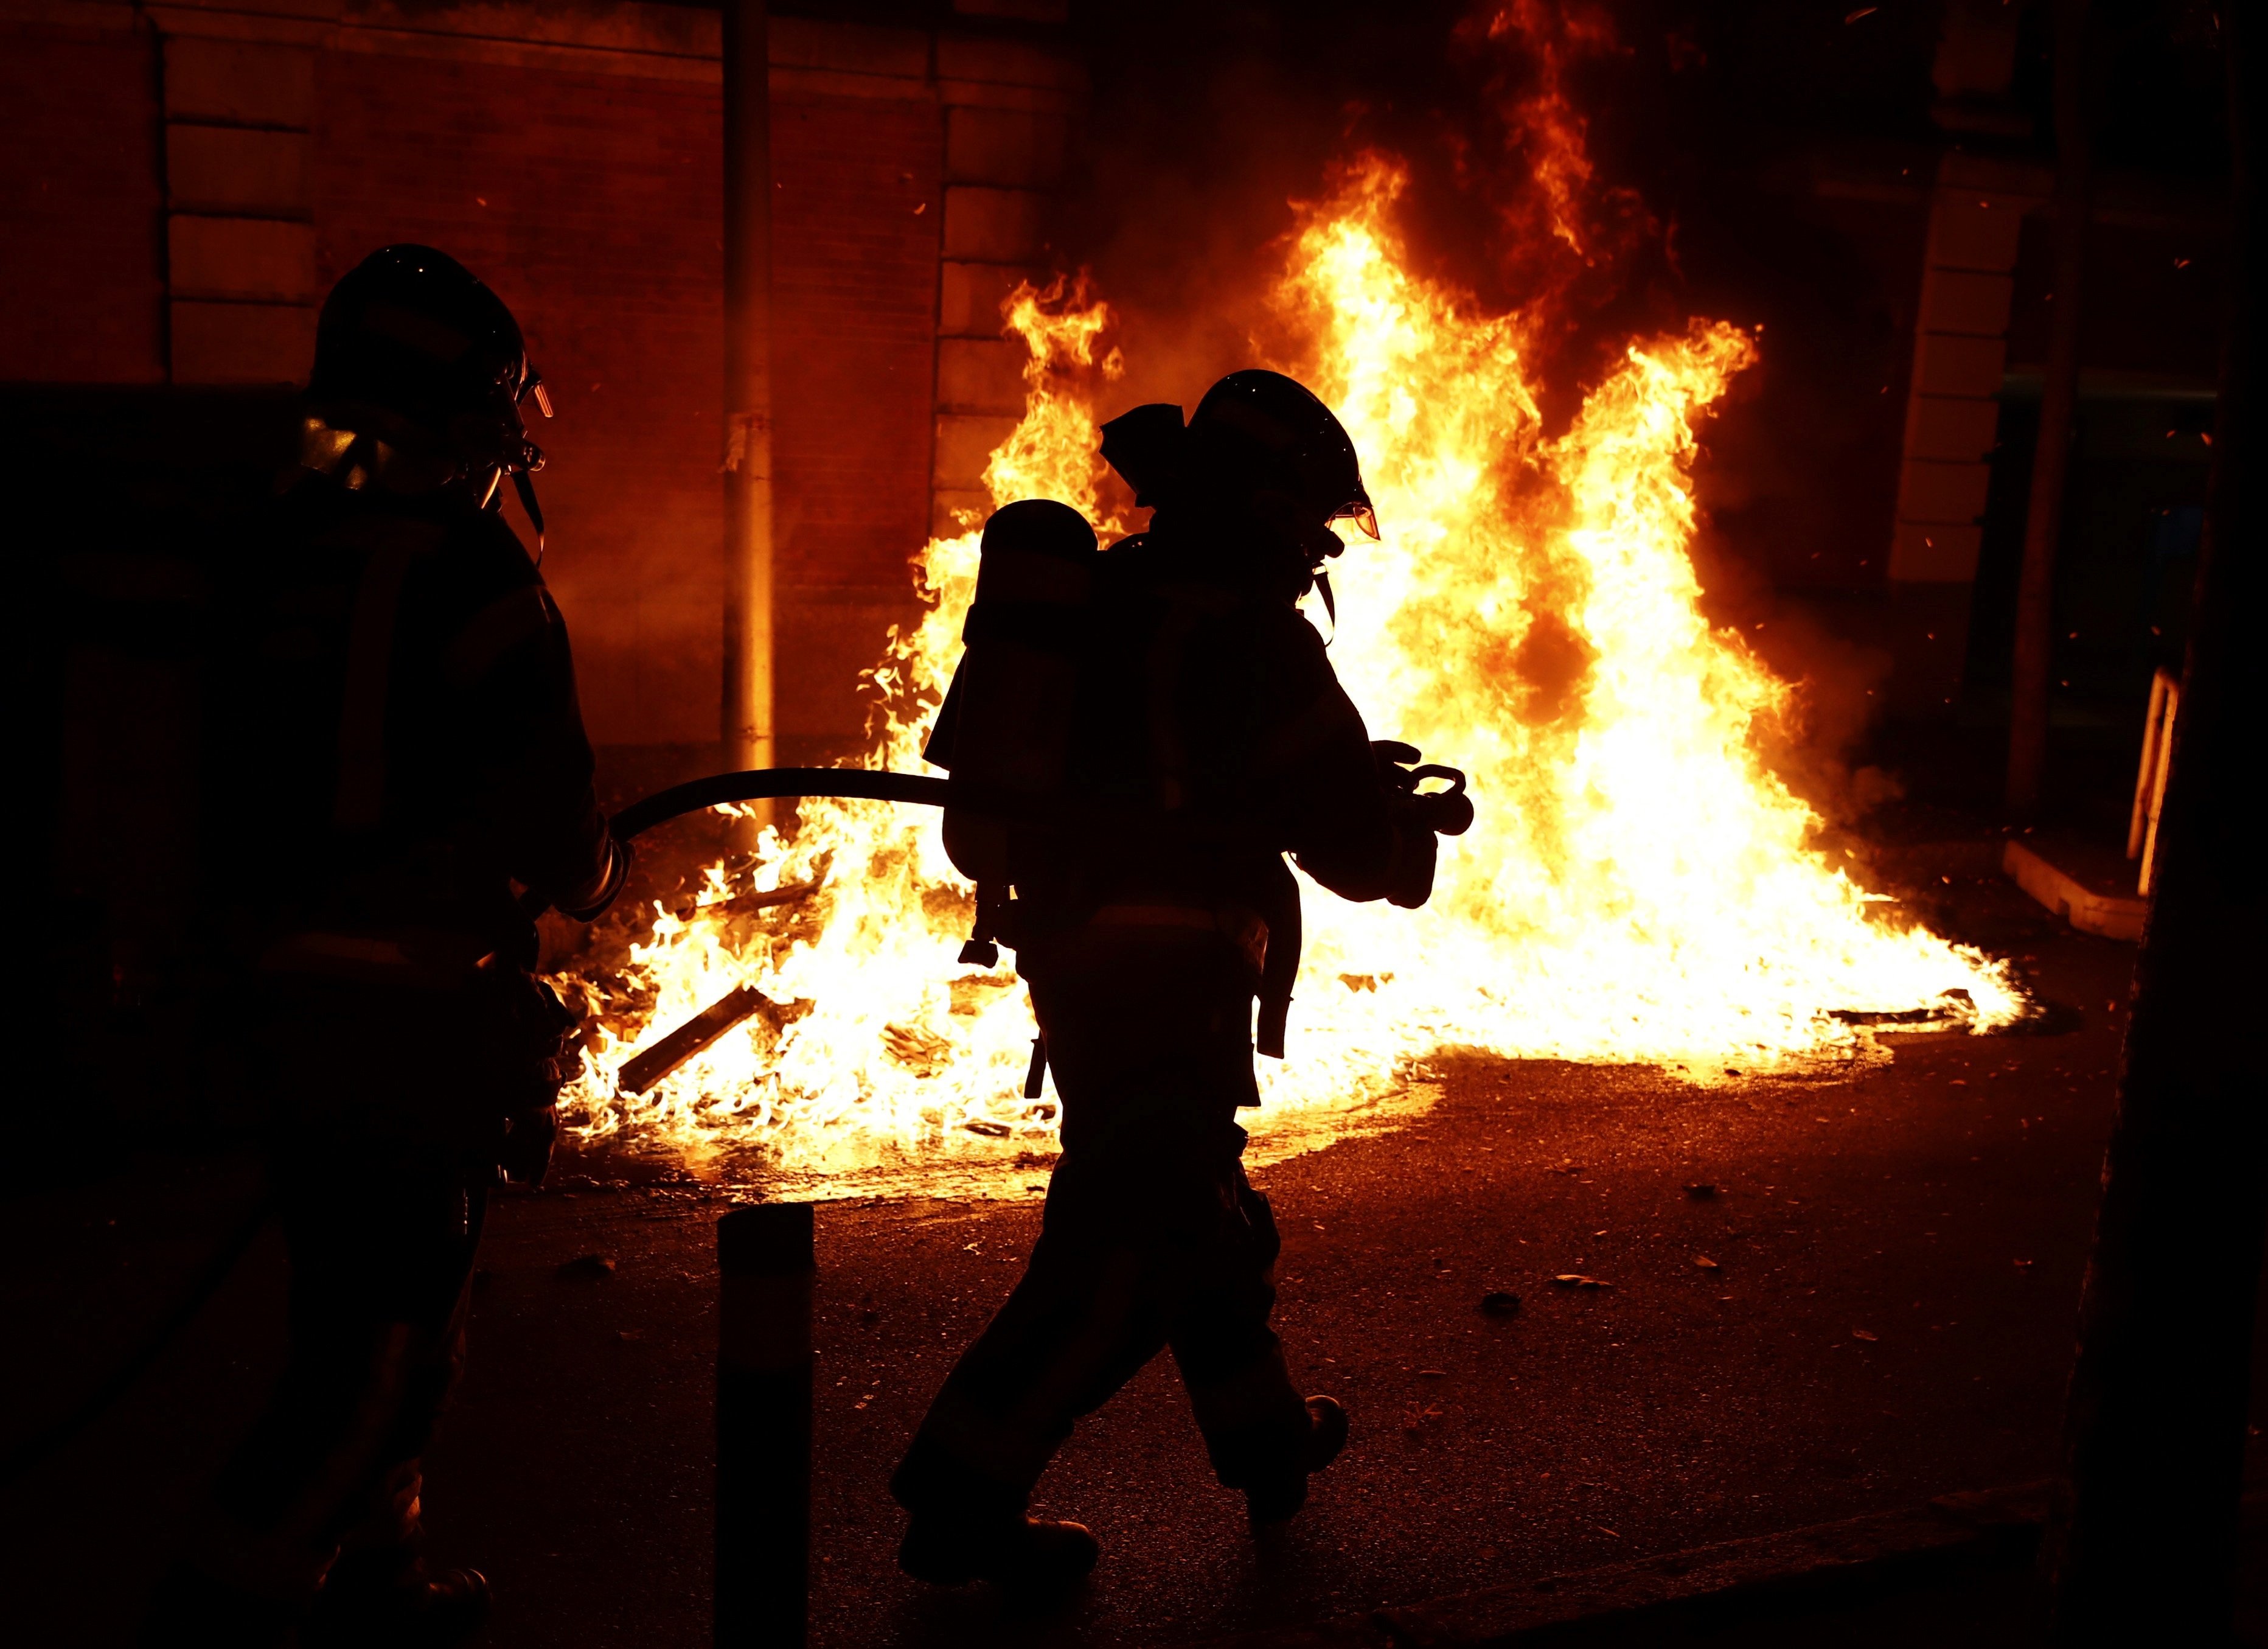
1640 886
651 1064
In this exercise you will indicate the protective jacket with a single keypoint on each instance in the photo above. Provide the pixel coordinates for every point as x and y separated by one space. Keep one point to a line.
1207 736
1213 737
408 744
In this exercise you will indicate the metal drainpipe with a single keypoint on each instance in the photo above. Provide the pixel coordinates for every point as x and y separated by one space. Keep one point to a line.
2034 660
749 728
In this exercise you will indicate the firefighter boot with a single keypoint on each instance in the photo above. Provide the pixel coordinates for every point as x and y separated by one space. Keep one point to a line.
1273 1496
970 1524
1029 1554
388 1599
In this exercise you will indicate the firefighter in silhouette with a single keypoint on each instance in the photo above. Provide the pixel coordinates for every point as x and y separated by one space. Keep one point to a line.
1177 724
405 776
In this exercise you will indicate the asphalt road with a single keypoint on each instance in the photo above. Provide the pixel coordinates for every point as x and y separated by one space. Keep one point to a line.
1886 1314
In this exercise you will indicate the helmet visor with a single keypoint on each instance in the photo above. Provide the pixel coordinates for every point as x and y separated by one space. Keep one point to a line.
1362 515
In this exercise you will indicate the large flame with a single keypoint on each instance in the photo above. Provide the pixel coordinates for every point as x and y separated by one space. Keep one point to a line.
1639 887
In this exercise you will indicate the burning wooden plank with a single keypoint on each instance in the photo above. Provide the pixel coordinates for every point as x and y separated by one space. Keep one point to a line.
649 1065
794 893
740 904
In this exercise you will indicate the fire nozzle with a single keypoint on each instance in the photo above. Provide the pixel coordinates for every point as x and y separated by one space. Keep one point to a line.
1447 812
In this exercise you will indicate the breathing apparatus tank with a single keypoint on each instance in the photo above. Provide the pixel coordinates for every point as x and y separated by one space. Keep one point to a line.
1006 724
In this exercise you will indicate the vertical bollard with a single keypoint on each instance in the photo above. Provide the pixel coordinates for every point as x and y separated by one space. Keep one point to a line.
763 1427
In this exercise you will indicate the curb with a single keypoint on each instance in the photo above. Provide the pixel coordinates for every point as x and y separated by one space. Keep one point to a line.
2089 910
1994 1528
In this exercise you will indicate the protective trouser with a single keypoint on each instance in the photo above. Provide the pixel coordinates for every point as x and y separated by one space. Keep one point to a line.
382 1229
381 1251
1151 1236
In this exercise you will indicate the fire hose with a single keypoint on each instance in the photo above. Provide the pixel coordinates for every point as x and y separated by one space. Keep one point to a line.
1400 767
781 784
1452 810
1452 814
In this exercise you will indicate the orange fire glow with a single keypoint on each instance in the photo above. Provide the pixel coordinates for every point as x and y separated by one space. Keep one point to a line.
1639 886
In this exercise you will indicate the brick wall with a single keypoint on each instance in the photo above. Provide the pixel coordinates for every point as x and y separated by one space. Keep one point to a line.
594 203
590 202
1007 119
241 278
854 346
201 173
82 292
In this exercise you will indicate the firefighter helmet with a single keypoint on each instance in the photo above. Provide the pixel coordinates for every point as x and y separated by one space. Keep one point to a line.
1268 426
413 352
1255 431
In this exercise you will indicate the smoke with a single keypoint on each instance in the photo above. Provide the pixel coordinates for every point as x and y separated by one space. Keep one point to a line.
1209 123
1549 157
1213 126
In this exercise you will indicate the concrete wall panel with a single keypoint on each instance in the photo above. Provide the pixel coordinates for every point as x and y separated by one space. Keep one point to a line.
1947 364
1966 301
1005 146
239 82
1928 553
981 375
970 297
990 225
1975 230
1008 63
964 446
251 258
222 169
1934 493
242 343
82 255
1948 427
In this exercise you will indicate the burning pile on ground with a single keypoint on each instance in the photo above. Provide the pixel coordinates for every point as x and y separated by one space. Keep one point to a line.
1639 886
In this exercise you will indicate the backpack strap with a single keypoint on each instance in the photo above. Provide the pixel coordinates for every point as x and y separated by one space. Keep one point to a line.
1278 900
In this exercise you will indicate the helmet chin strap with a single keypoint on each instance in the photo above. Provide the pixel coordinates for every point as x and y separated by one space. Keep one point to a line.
1321 546
525 487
